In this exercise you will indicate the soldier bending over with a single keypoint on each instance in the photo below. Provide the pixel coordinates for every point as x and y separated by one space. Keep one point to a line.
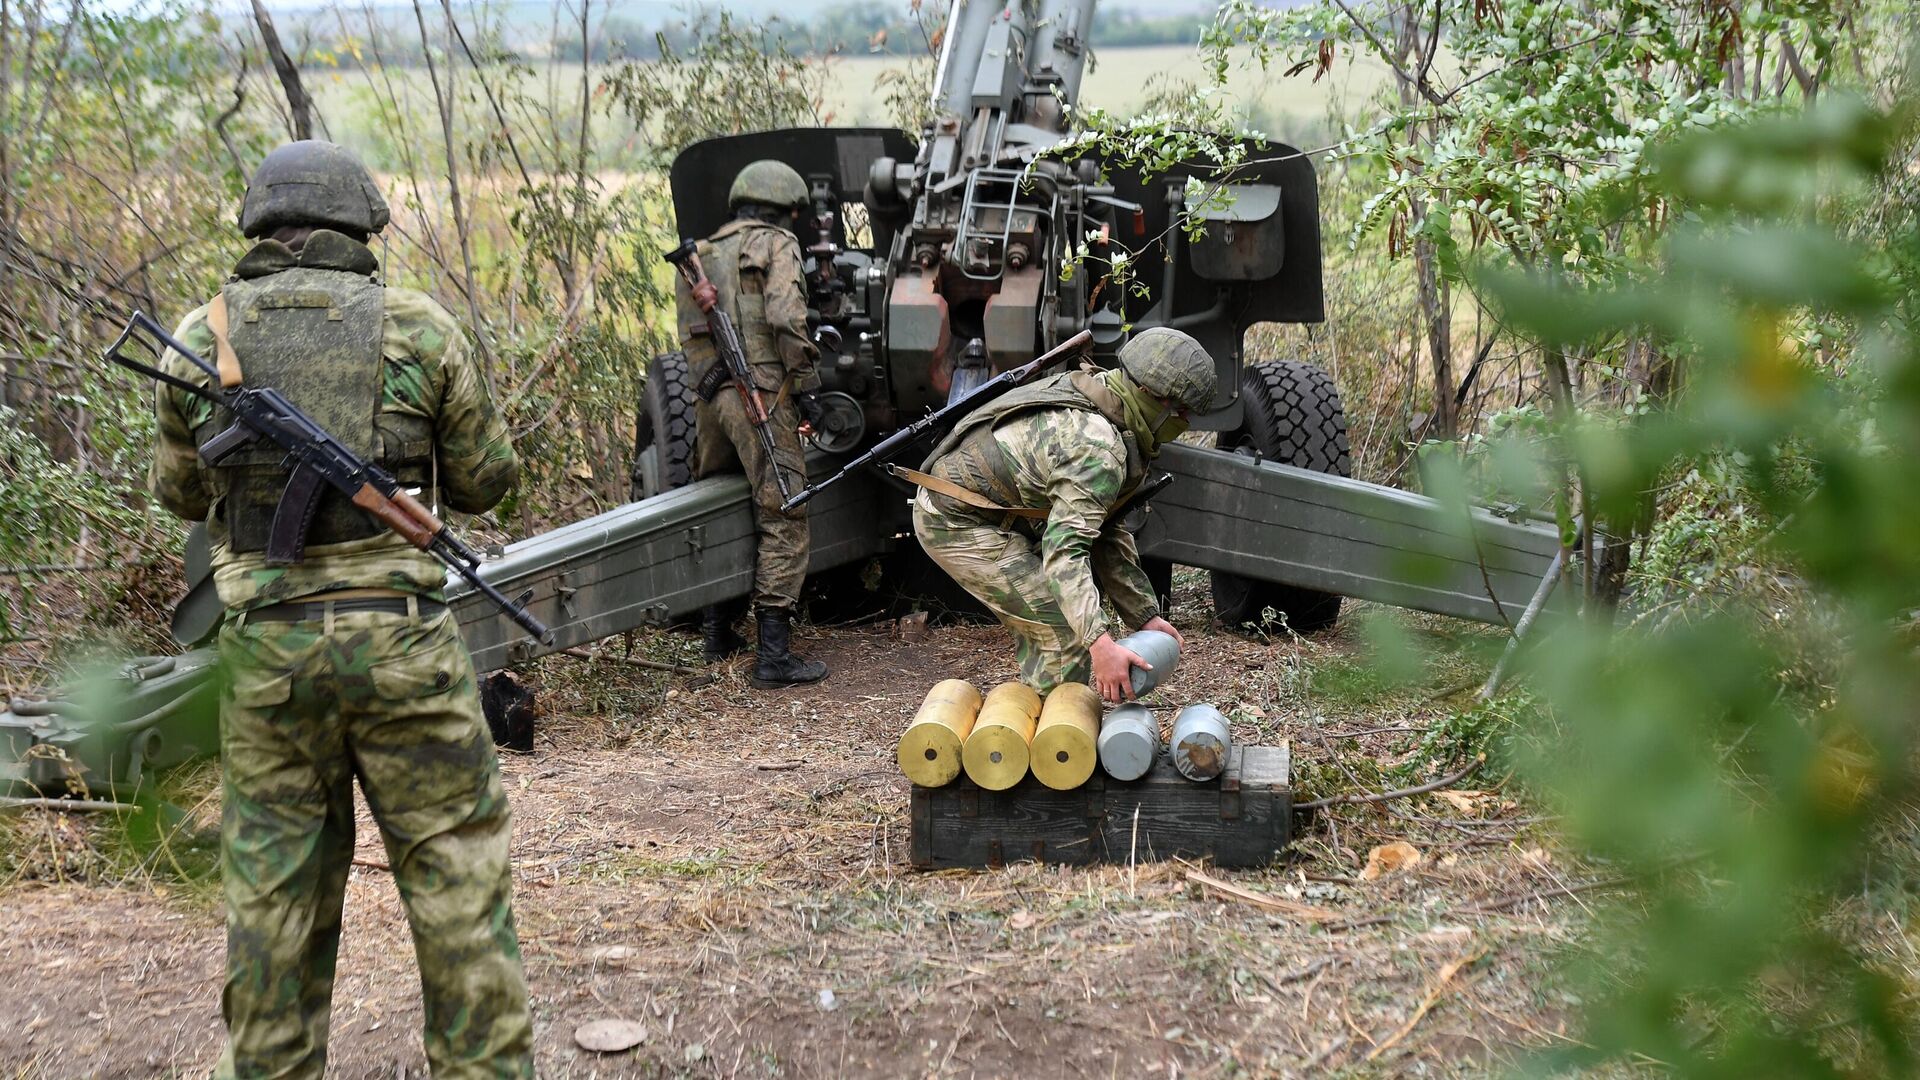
1058 457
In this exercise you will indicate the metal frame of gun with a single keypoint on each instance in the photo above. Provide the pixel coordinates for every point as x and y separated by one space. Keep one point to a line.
726 342
315 458
893 445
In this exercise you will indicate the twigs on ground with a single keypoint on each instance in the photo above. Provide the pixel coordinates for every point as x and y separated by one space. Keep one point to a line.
1512 900
67 804
1427 1001
1305 912
1402 793
634 661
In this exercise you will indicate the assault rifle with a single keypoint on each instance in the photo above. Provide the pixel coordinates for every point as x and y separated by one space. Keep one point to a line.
733 358
897 443
315 459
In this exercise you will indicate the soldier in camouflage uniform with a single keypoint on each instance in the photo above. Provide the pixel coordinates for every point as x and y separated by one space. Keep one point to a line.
753 265
347 663
1036 538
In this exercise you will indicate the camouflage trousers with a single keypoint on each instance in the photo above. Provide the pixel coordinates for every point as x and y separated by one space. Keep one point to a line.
391 700
1002 569
725 441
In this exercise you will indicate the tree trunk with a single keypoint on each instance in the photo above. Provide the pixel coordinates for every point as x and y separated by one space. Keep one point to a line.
299 105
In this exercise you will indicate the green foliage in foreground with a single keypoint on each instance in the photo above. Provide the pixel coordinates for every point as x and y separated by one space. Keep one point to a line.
1746 797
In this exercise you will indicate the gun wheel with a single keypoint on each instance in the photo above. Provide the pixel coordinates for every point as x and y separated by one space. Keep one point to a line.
663 429
1293 416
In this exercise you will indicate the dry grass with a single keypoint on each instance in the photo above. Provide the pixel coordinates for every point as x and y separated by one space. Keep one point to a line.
712 862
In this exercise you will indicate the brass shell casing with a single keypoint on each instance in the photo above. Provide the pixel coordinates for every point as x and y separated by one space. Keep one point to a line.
929 751
1065 740
996 752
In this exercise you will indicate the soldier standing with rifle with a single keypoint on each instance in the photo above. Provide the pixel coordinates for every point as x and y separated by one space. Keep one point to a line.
1018 503
344 660
752 272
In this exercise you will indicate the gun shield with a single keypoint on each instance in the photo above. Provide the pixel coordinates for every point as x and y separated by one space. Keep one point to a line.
1064 740
996 752
929 750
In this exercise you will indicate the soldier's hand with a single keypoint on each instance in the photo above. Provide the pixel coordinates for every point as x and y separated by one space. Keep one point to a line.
811 410
1113 665
706 295
1165 627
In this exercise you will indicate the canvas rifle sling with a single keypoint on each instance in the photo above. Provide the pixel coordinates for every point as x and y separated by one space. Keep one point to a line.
972 498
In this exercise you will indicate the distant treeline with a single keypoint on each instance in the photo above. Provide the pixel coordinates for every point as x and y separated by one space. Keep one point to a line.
862 27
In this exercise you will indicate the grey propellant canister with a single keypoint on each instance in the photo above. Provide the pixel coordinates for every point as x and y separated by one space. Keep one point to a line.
1157 648
1200 742
1129 741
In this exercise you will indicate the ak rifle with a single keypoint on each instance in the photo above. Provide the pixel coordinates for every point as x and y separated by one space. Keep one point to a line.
317 460
884 451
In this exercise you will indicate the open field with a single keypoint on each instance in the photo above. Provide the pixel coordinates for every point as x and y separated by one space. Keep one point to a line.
728 867
1120 80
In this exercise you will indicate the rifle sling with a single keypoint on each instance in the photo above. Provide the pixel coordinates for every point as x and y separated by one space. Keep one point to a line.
972 498
225 360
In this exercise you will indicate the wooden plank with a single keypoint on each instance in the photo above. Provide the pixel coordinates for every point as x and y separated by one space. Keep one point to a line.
1242 818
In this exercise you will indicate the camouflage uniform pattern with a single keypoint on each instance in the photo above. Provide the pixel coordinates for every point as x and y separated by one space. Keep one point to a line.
393 700
381 696
430 376
1057 446
756 269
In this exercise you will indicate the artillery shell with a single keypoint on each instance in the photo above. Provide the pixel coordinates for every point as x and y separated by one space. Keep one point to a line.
930 747
996 752
1157 648
1129 741
1064 740
1200 742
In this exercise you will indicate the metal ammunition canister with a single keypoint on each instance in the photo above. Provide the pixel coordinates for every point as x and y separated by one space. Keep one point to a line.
1156 648
996 752
1129 741
1064 742
930 747
1200 742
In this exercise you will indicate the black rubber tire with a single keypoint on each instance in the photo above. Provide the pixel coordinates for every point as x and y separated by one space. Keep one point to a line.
665 425
1293 416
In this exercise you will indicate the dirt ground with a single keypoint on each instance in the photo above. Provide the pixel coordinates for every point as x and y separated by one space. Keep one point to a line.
729 869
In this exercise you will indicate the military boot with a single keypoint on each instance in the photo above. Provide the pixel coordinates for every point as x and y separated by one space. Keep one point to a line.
777 667
719 638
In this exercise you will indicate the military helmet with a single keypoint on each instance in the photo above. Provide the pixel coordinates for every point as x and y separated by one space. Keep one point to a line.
311 183
771 182
1171 364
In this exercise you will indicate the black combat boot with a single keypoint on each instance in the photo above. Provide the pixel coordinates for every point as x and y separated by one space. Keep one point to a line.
777 667
716 627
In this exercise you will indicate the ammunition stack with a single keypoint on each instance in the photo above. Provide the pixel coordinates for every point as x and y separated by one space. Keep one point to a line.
998 738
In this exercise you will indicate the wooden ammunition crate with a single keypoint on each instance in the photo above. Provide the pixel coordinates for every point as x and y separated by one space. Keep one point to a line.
1242 818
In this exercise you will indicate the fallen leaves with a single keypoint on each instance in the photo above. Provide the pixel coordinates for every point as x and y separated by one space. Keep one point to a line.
1390 859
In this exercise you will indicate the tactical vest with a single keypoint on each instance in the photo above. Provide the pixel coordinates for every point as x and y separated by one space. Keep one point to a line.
314 335
969 455
741 295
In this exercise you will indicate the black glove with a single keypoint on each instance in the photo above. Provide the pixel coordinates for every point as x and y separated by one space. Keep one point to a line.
811 410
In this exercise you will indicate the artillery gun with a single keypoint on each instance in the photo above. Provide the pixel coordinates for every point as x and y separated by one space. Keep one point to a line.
933 261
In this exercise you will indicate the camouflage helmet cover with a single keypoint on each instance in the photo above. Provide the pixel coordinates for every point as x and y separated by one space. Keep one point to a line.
771 182
311 183
1171 364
